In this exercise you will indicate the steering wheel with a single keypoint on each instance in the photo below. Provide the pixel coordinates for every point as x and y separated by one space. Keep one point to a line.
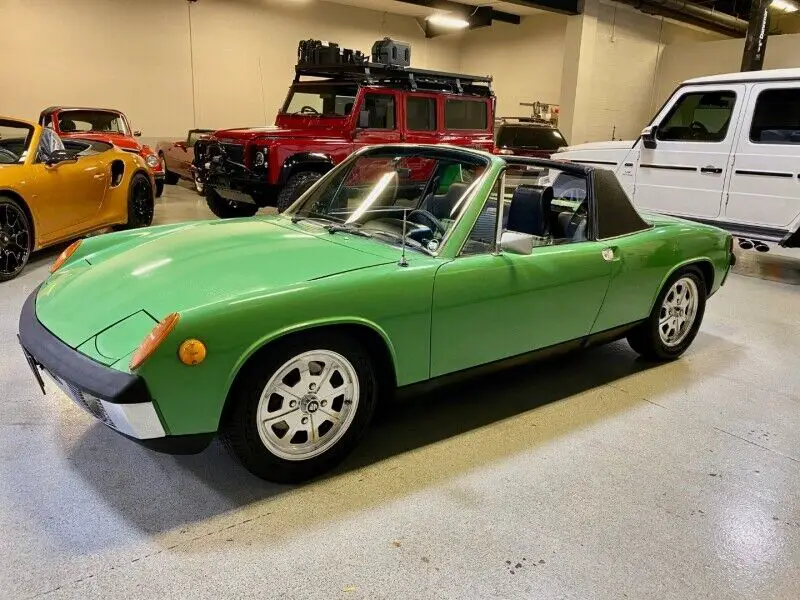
6 153
309 110
428 220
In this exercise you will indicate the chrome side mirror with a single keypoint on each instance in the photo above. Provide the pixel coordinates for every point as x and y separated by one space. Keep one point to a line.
516 243
649 137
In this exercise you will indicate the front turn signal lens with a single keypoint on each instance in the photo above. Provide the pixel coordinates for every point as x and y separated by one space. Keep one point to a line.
154 339
64 256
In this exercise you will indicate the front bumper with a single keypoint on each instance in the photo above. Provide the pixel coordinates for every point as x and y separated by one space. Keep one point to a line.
119 400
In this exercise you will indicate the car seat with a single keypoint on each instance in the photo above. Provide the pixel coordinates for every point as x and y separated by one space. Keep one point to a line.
67 125
441 205
529 211
573 227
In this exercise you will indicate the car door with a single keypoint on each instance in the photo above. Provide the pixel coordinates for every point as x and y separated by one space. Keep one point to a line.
764 188
378 119
489 307
68 196
685 173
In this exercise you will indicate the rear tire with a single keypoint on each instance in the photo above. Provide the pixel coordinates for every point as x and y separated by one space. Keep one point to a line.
228 209
675 319
141 205
295 186
319 416
16 238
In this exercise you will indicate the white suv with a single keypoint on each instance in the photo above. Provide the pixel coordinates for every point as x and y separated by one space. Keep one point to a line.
723 150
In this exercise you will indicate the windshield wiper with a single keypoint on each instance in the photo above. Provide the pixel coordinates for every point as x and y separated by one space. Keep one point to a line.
409 243
341 228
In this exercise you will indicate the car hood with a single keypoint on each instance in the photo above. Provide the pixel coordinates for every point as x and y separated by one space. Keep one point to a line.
274 132
615 145
121 141
176 268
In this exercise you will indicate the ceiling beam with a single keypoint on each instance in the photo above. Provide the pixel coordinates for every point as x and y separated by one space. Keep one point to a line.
480 15
565 7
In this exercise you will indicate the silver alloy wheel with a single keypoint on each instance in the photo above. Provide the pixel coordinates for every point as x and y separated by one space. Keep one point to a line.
678 312
308 405
199 186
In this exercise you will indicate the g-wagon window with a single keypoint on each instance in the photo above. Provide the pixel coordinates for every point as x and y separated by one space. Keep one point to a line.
698 117
776 119
465 114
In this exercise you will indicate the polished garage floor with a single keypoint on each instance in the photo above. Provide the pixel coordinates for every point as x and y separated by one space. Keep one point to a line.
594 476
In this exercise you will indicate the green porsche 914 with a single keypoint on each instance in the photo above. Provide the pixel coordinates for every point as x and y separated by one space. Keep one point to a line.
405 264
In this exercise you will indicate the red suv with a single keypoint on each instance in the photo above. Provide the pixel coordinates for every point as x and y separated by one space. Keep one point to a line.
324 119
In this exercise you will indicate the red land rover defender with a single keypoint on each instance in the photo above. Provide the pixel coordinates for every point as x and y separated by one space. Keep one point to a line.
332 110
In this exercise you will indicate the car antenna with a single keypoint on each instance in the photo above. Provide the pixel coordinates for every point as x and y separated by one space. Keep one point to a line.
403 262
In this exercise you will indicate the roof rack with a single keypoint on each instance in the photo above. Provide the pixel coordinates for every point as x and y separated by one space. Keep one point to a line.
375 73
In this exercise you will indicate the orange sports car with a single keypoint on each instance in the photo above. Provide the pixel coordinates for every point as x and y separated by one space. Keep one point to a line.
52 190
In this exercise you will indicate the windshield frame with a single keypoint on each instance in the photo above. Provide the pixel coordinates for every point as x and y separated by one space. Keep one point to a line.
298 87
29 139
492 166
56 120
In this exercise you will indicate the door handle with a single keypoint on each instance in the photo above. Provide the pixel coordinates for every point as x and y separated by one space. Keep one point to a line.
609 254
711 169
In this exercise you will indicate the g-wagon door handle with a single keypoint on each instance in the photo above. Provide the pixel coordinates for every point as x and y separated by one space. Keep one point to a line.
711 169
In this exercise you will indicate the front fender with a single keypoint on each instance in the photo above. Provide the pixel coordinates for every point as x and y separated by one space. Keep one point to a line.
312 161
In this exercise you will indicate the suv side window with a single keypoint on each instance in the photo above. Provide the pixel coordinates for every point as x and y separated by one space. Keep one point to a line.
379 109
776 119
466 115
698 117
420 113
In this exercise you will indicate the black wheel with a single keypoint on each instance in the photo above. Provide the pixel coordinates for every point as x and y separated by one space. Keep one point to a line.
16 238
300 408
140 202
169 177
159 188
228 209
675 318
295 186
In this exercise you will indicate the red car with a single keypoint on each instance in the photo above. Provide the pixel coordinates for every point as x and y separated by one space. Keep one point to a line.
105 125
332 110
177 159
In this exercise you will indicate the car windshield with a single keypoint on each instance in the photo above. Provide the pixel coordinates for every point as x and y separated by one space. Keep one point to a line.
395 195
15 139
320 99
533 138
91 121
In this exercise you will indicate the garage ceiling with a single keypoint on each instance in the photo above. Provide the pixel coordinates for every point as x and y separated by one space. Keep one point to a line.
403 8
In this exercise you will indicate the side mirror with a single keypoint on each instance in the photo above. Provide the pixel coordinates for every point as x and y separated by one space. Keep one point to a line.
59 157
137 133
649 137
363 119
516 243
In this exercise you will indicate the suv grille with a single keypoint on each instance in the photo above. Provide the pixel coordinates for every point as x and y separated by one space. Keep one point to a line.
234 152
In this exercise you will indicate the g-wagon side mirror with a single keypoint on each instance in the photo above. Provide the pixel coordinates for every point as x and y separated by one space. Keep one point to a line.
649 137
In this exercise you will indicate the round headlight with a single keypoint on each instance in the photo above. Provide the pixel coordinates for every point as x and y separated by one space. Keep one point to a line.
259 159
152 161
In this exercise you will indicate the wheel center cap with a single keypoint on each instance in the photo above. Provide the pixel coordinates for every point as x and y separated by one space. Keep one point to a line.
309 404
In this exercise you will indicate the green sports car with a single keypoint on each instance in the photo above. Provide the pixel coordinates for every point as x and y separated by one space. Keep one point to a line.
404 265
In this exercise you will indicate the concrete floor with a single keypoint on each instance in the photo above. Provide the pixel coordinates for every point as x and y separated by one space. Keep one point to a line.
594 476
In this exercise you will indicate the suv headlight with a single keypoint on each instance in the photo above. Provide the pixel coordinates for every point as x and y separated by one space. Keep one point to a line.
260 157
152 161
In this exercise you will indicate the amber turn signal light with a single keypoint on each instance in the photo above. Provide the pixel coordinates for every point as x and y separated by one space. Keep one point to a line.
192 352
64 256
154 339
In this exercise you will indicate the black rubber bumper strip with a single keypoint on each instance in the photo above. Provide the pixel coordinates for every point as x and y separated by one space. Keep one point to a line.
72 366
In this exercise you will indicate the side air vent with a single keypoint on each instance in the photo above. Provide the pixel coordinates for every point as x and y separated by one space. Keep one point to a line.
117 172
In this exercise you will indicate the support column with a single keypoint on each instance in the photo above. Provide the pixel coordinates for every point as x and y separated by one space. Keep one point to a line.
576 75
755 45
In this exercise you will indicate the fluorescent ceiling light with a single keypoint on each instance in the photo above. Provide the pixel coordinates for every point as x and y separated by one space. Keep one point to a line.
784 5
448 21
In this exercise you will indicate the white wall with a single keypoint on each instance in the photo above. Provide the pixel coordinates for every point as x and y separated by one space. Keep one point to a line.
525 60
684 61
134 55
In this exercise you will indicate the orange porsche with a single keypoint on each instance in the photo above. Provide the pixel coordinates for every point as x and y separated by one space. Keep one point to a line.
52 190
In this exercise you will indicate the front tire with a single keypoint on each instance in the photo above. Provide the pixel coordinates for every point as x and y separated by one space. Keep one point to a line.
295 186
16 238
675 319
141 206
301 407
228 209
